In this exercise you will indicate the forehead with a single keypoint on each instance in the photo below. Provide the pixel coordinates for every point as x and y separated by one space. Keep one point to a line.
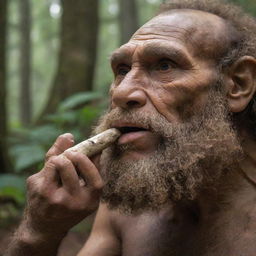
201 33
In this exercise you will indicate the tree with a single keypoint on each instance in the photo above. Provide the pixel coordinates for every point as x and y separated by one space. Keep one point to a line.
77 56
25 50
4 163
128 19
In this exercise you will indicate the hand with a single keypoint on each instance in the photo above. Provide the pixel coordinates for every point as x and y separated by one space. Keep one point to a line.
56 199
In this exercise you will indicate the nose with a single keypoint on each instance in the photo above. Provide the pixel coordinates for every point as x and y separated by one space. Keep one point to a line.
127 96
124 98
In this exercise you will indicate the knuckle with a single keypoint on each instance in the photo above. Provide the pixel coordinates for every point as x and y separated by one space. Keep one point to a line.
55 201
64 162
36 187
75 156
60 202
31 180
59 163
48 155
55 161
78 157
56 145
51 163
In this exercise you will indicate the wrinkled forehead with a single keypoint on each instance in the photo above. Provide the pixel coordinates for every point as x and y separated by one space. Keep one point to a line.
203 33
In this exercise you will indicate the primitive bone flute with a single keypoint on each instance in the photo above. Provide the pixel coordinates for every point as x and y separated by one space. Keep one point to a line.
97 143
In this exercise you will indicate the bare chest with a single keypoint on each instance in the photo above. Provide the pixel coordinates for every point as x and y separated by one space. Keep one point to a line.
155 235
163 235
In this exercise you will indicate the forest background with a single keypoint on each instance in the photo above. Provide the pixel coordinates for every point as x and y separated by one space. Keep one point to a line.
54 78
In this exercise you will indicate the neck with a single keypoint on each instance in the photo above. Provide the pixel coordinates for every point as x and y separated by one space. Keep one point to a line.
235 189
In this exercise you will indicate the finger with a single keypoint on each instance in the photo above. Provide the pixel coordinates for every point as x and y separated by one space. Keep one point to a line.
65 171
45 180
87 169
96 160
62 143
50 171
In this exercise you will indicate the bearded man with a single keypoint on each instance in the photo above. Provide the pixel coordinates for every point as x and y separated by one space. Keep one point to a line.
181 179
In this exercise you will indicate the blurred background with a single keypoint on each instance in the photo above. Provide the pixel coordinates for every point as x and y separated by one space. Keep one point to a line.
54 78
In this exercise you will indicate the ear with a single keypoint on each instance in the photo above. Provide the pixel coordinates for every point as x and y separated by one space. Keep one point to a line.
241 83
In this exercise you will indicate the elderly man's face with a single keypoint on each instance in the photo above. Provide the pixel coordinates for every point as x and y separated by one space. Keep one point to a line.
177 138
166 67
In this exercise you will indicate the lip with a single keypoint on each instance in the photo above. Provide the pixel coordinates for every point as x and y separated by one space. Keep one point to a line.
131 137
120 124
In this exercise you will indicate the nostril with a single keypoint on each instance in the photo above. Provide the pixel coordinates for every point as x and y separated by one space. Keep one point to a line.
128 97
132 103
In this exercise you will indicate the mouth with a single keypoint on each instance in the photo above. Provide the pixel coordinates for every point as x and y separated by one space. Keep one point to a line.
140 138
129 129
131 132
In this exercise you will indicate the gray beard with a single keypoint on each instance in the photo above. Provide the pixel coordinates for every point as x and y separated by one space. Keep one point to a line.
192 156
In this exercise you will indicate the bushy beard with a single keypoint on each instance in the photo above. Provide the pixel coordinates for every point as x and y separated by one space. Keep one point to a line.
192 156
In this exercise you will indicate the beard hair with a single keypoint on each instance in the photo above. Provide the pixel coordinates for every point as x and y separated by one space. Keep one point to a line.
192 156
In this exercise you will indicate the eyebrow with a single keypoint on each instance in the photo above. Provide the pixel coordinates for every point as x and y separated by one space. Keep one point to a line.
154 50
167 50
120 55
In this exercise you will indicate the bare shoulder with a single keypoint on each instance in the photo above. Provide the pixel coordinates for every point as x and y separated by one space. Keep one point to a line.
103 240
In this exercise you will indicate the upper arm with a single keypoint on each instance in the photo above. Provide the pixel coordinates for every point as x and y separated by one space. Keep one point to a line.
103 240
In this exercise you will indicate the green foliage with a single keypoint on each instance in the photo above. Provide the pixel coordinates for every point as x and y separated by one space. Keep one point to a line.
78 99
27 155
75 115
13 186
12 197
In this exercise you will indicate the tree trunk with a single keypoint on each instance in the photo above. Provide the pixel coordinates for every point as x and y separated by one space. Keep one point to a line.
4 163
128 19
25 50
77 57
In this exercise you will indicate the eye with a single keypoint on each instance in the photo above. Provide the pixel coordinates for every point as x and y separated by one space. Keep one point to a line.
165 65
122 69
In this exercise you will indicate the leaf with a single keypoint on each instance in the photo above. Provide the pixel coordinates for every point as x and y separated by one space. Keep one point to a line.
34 135
13 186
12 180
15 193
88 114
63 117
44 134
27 155
78 99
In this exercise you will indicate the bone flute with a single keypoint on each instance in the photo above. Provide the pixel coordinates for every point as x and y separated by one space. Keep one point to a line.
96 144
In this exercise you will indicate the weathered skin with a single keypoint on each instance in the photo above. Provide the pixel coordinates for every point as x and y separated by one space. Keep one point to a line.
216 224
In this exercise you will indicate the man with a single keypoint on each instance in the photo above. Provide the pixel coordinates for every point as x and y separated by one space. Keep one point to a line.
181 179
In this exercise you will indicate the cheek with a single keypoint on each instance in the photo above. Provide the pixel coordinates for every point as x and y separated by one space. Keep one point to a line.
179 101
